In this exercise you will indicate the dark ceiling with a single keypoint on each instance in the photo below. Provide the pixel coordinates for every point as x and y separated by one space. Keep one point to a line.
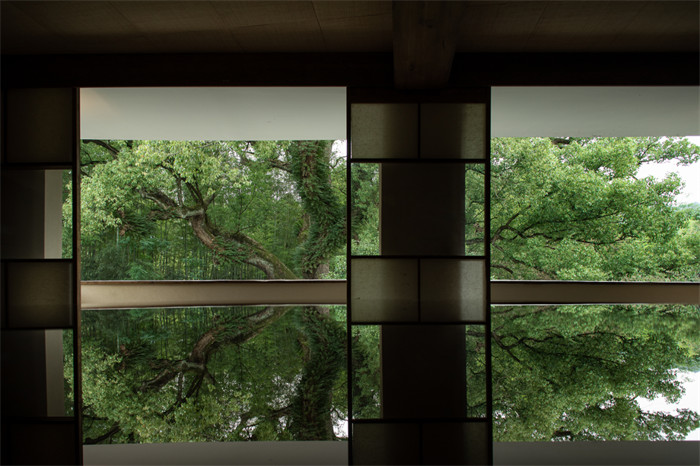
89 27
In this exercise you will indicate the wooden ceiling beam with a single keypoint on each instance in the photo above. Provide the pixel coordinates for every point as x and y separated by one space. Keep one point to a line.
338 69
425 38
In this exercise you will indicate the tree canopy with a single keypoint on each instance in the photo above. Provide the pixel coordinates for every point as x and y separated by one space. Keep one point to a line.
561 208
575 209
193 210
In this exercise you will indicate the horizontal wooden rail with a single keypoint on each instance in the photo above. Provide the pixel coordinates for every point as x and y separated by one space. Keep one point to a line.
541 292
144 294
147 294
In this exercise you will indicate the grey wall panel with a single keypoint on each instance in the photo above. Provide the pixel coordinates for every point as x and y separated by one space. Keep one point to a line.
23 373
41 126
22 214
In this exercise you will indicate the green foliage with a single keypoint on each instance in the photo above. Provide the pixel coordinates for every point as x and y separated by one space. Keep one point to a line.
578 212
365 209
251 383
581 370
155 210
565 209
311 171
366 363
323 345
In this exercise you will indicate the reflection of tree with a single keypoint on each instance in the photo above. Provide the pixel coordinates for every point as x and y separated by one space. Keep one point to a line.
228 194
574 209
567 209
579 371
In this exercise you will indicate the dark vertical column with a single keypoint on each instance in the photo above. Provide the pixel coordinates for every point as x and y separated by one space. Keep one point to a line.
40 288
422 288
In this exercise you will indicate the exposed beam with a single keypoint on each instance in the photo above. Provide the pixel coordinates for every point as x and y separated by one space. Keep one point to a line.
353 70
542 292
425 38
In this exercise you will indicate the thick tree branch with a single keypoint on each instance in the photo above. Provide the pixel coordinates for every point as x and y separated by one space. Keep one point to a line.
114 152
93 441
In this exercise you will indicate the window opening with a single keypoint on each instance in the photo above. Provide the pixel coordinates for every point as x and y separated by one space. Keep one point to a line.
589 209
166 212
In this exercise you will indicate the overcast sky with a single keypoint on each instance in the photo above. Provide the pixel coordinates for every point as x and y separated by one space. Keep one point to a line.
690 175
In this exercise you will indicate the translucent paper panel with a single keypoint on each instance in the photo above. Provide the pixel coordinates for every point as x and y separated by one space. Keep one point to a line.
41 125
452 290
35 223
39 294
384 290
453 131
384 131
418 290
455 443
386 443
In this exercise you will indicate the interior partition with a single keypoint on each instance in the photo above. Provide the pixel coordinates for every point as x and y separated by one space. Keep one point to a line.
40 277
426 286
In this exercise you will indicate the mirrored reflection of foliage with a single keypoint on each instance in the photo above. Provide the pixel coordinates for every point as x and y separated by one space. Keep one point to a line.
201 374
581 372
155 210
561 208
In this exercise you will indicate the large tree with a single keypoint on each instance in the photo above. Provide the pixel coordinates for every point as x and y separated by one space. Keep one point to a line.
561 208
576 209
271 206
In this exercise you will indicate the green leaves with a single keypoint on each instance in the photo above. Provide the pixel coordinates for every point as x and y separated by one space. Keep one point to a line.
577 211
566 209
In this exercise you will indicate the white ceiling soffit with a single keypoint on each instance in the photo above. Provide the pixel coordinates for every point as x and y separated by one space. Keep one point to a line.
195 113
595 111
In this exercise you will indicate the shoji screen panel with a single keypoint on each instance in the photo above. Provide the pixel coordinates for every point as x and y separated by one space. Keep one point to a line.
40 275
424 287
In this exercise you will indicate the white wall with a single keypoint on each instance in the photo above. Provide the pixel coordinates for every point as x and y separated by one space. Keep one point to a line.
595 111
213 113
269 113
